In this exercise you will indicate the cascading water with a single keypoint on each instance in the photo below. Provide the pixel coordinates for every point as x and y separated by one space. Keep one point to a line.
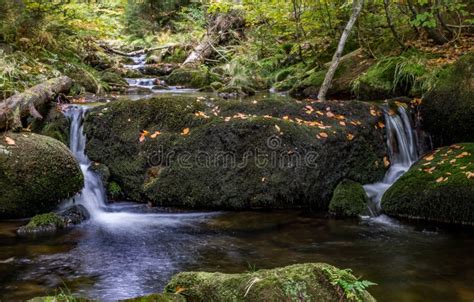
402 145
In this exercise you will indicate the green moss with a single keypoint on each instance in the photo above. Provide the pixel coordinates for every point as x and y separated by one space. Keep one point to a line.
44 220
349 199
222 129
195 78
392 77
166 297
35 175
114 190
448 108
307 282
439 187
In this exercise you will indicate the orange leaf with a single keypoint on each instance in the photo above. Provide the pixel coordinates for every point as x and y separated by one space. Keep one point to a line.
179 290
381 125
154 135
323 134
440 179
342 123
386 162
9 141
429 158
350 136
373 112
286 117
185 131
329 114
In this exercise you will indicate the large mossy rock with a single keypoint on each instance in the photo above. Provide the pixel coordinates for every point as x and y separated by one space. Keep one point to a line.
349 199
351 66
36 173
191 77
301 282
448 109
238 154
440 187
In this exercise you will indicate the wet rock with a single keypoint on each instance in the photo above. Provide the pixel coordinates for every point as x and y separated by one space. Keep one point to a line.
74 215
310 161
448 109
36 173
300 282
139 90
191 77
228 92
158 69
440 187
349 199
166 297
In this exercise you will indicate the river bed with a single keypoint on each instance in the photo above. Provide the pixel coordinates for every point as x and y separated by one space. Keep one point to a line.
409 262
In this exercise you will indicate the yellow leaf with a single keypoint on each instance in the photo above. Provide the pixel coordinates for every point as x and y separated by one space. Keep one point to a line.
469 175
329 114
373 112
286 117
386 162
429 158
350 136
440 179
9 141
227 118
179 290
185 131
342 123
277 128
323 134
154 135
381 125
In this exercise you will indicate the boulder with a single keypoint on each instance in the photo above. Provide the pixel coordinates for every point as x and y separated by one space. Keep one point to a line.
440 187
158 69
36 173
349 199
447 110
235 154
191 77
300 282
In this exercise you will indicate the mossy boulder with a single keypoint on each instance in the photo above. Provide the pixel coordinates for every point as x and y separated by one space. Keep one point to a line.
392 77
113 78
166 297
36 173
300 282
440 187
54 124
162 69
350 67
448 109
43 223
191 77
235 91
235 154
349 199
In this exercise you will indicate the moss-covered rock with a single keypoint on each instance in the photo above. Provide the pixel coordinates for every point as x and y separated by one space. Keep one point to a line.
448 109
54 124
166 297
113 78
392 77
43 223
440 187
161 69
301 282
36 173
228 92
349 199
189 77
349 69
235 154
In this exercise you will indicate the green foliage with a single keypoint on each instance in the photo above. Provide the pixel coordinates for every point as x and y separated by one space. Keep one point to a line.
114 190
46 220
351 287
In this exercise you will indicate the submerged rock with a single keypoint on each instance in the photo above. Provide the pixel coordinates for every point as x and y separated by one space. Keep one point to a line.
300 282
440 187
235 154
36 173
349 199
448 109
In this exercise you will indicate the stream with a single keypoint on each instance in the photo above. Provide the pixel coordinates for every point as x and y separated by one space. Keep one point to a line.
127 250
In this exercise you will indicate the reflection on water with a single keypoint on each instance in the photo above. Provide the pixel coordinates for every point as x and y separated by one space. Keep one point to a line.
410 262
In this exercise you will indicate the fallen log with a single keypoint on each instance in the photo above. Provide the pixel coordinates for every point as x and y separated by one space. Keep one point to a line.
24 104
220 31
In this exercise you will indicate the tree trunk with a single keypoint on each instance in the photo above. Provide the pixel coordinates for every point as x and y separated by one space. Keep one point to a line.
25 104
390 24
356 9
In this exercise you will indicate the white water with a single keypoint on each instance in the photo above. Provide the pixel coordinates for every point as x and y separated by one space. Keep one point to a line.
403 153
138 62
93 196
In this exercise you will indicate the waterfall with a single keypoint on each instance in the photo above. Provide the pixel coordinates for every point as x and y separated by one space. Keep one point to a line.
92 196
403 150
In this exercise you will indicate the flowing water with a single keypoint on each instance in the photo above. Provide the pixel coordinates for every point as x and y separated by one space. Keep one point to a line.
402 146
126 250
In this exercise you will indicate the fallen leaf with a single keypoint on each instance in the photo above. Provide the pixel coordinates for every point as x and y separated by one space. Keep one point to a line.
381 125
227 118
373 112
277 128
429 158
185 131
10 141
469 175
286 117
329 114
440 179
179 290
154 135
350 136
323 134
342 123
386 162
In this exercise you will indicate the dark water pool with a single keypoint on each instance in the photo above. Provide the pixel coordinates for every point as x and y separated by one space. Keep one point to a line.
127 258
